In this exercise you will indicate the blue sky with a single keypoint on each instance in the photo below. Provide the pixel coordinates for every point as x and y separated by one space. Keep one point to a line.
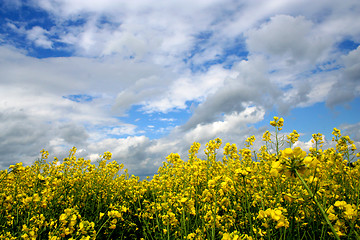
142 79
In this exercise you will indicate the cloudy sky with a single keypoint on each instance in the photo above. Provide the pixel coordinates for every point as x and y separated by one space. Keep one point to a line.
143 78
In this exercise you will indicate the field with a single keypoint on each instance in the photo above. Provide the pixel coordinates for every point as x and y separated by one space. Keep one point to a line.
276 192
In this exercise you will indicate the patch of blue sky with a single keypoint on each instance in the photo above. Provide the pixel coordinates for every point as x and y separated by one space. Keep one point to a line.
327 66
27 17
24 19
80 98
236 48
227 58
58 49
347 45
202 40
317 118
344 47
156 124
80 20
233 51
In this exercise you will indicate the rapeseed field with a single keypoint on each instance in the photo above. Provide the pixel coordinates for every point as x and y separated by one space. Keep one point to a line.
277 192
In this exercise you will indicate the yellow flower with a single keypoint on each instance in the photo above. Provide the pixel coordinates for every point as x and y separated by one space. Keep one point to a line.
297 152
340 204
211 183
191 236
68 231
63 217
81 226
309 161
353 147
266 136
276 167
36 197
261 214
350 212
226 236
288 152
275 214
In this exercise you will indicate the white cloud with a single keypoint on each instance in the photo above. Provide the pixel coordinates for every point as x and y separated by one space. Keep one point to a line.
164 29
124 129
246 84
132 151
33 92
130 53
303 60
191 87
352 65
39 36
306 145
233 125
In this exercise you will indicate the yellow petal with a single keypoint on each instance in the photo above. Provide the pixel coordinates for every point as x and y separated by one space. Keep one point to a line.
288 152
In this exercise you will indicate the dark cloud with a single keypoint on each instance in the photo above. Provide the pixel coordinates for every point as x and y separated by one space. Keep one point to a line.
21 138
140 55
352 130
250 86
73 134
289 37
297 95
347 86
24 135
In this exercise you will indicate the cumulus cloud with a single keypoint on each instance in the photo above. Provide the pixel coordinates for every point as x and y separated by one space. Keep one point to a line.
73 134
303 61
232 61
142 155
163 31
247 84
230 128
283 35
347 86
189 87
38 112
20 134
72 75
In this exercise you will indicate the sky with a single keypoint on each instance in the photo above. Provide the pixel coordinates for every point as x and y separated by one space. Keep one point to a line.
143 79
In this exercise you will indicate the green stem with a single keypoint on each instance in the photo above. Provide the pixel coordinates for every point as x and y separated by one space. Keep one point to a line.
277 141
214 216
97 233
168 231
319 206
248 208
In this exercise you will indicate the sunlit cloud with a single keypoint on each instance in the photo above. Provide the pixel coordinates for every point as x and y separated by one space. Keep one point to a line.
144 79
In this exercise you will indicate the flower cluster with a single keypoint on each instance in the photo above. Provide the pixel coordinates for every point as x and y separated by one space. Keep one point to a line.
274 192
274 215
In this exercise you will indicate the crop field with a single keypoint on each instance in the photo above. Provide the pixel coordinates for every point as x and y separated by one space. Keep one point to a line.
276 192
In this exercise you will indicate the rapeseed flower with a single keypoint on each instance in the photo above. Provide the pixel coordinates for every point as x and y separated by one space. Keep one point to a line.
247 194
